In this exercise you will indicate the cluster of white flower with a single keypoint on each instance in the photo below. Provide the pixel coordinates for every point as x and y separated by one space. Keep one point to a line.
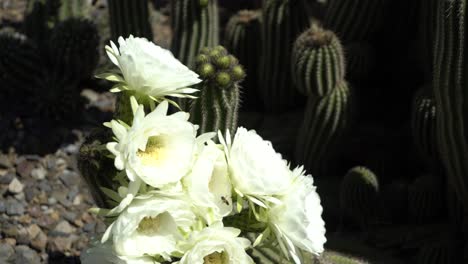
186 199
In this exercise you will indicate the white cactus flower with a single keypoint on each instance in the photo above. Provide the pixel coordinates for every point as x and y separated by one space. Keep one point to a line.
149 70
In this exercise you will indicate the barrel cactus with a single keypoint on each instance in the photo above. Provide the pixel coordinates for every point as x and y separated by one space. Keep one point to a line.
359 193
317 62
217 105
74 48
195 25
283 21
241 39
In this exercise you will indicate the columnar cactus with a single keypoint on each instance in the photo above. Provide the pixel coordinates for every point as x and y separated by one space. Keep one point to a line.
449 85
353 20
129 18
423 125
438 253
217 105
426 199
241 39
282 22
359 193
74 48
317 62
318 69
195 25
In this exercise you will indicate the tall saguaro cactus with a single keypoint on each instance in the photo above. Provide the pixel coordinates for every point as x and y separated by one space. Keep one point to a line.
129 17
451 94
282 22
195 26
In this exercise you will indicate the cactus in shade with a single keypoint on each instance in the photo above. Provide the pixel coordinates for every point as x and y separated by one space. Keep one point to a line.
359 192
20 66
96 167
354 21
195 25
35 24
325 121
129 18
317 62
438 253
423 125
74 8
426 199
282 22
241 39
451 95
360 60
74 48
217 105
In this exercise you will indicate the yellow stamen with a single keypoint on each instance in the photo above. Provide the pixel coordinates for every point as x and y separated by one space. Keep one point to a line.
149 225
214 258
153 153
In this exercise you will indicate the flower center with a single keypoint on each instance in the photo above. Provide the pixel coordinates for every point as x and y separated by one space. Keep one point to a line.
154 151
214 258
149 225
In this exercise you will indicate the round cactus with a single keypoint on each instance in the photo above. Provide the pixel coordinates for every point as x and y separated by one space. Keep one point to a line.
426 199
423 125
74 48
359 193
325 121
21 70
217 105
317 62
241 39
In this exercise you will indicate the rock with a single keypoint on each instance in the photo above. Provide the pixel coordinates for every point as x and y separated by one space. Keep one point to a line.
33 231
70 178
10 241
14 207
7 178
45 186
24 168
89 227
2 206
35 211
5 162
22 237
26 255
39 242
60 244
71 149
15 186
39 173
6 252
64 228
70 216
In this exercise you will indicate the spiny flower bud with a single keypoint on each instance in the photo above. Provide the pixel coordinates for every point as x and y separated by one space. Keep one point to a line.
223 62
206 70
223 79
238 73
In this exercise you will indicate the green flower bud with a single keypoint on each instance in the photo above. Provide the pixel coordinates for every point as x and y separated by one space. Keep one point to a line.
203 3
238 73
206 70
223 62
202 58
223 79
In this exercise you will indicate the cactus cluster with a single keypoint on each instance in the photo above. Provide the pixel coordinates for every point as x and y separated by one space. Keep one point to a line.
217 105
129 17
241 35
426 199
359 193
195 25
318 71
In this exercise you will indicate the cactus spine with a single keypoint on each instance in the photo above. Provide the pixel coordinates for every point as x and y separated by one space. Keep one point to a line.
449 84
359 192
195 25
319 73
423 124
241 39
129 17
317 62
75 54
282 22
217 105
